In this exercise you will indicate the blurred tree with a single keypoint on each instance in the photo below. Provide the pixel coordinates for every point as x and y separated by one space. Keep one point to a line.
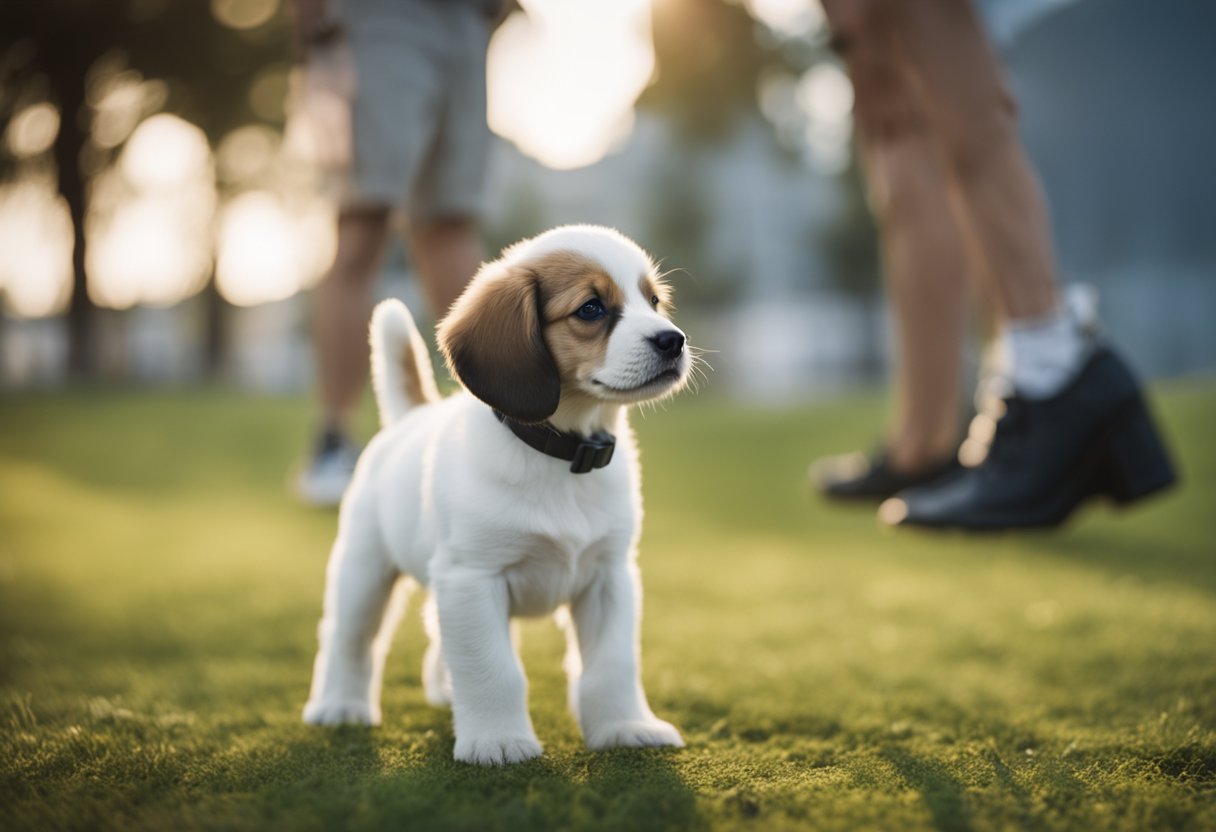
49 47
708 67
527 216
680 219
709 64
713 62
217 76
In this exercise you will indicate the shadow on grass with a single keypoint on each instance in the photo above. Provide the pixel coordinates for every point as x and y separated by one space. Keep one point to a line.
1153 558
359 778
944 796
638 789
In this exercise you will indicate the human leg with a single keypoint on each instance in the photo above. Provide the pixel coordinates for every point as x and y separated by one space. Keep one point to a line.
342 308
408 154
925 271
998 197
447 195
447 253
996 194
343 305
924 263
1075 425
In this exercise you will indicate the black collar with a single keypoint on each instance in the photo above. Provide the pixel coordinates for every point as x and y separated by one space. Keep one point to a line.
584 453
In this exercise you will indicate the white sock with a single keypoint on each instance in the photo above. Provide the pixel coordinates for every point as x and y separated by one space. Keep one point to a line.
1045 353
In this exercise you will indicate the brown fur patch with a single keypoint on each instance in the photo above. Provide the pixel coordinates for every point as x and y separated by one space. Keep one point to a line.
492 343
568 280
417 391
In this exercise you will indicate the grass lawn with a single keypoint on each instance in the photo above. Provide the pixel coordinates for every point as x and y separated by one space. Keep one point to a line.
159 596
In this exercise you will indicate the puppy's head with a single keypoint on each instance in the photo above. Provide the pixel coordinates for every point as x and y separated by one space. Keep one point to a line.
578 311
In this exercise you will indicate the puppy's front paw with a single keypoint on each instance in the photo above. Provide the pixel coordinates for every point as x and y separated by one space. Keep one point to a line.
495 750
642 733
341 712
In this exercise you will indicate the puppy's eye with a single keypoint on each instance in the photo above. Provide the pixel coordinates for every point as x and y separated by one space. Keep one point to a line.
592 310
654 301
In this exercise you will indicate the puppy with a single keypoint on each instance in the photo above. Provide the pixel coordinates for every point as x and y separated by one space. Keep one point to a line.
521 499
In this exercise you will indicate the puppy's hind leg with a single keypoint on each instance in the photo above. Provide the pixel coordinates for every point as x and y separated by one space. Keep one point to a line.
572 663
355 631
436 680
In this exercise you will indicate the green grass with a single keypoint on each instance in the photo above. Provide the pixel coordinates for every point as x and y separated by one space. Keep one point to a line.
159 595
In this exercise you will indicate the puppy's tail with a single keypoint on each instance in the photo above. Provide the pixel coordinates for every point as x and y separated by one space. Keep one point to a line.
402 376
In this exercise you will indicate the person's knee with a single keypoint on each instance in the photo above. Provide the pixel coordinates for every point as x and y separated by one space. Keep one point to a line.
970 145
362 236
886 107
447 253
907 183
443 231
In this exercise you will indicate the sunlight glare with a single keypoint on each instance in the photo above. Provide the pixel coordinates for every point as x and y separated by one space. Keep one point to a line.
154 250
118 109
269 91
35 250
267 254
33 130
825 96
564 77
244 14
165 152
789 18
149 227
247 153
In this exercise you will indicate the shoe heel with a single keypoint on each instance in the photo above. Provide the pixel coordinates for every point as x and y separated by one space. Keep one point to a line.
1136 463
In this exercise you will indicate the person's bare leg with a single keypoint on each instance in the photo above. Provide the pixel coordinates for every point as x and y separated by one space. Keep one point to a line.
343 305
998 197
924 262
926 280
447 253
1079 412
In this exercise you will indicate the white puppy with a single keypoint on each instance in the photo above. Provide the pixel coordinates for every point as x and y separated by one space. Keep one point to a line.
509 501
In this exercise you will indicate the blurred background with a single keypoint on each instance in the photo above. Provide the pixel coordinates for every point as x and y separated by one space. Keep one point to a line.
161 218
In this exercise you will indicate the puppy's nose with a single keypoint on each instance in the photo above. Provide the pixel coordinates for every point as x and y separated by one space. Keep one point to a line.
669 343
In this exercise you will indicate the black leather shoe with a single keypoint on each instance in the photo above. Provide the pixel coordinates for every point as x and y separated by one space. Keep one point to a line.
1095 438
856 478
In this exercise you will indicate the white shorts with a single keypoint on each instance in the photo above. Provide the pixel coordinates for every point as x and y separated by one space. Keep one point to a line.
420 140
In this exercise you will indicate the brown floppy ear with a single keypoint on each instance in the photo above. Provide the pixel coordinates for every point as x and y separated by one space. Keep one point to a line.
491 340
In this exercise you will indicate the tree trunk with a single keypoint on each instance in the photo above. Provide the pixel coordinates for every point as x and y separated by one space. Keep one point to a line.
73 133
215 341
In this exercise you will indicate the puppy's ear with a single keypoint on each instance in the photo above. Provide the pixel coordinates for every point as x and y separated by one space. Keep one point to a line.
492 342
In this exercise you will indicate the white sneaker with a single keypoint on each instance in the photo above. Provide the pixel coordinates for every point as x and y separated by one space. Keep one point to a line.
324 480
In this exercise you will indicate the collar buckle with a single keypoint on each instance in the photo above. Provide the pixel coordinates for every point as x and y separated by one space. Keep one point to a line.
591 453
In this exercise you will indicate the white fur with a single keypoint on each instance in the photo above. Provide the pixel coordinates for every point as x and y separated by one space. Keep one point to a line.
446 497
395 338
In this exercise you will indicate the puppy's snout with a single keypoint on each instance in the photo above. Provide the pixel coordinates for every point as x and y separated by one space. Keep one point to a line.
669 343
